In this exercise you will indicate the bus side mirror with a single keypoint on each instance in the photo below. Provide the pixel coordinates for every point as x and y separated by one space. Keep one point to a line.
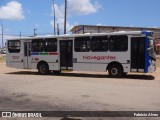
151 42
149 48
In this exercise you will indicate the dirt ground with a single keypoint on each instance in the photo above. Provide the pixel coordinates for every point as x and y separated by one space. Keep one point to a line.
26 90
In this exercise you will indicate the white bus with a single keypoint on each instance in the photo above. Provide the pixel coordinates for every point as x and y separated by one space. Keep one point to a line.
117 52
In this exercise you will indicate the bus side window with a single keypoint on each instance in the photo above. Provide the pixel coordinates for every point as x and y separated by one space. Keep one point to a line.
99 44
82 44
50 45
14 46
118 43
37 45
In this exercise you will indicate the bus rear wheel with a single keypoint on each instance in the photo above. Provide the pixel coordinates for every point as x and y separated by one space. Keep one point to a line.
115 71
43 69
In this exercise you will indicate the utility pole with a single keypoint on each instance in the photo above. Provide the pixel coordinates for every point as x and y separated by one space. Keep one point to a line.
65 16
20 34
54 12
2 32
57 29
35 32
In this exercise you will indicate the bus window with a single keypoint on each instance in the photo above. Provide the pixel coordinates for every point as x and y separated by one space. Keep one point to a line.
14 46
118 43
37 45
82 44
99 44
50 45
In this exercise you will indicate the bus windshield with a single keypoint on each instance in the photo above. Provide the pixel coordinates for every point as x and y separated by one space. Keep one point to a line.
151 51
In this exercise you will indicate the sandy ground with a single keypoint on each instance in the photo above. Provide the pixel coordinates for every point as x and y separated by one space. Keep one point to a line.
26 90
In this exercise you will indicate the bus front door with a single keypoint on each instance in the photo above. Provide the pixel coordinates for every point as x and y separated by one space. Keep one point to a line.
27 55
66 54
137 54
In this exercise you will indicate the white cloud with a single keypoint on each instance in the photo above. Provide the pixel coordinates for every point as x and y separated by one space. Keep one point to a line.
60 21
155 27
83 7
100 24
77 7
60 18
12 10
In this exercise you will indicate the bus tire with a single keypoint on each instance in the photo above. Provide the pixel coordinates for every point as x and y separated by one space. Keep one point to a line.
115 70
43 69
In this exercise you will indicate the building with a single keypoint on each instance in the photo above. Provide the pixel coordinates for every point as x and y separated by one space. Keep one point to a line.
82 29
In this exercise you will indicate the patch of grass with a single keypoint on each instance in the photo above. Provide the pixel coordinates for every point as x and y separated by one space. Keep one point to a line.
2 59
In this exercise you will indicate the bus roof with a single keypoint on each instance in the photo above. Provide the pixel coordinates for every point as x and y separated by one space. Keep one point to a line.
84 35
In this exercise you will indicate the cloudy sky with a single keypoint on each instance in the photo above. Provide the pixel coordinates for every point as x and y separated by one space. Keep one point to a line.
25 15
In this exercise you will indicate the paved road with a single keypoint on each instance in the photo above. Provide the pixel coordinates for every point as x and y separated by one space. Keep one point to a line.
74 91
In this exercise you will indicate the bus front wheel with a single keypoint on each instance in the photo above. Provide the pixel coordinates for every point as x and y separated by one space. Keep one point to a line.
115 70
43 69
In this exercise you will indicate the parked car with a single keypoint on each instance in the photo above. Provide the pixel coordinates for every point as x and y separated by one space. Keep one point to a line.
3 51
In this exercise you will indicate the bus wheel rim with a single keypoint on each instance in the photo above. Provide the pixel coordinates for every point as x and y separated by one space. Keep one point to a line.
43 69
114 71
